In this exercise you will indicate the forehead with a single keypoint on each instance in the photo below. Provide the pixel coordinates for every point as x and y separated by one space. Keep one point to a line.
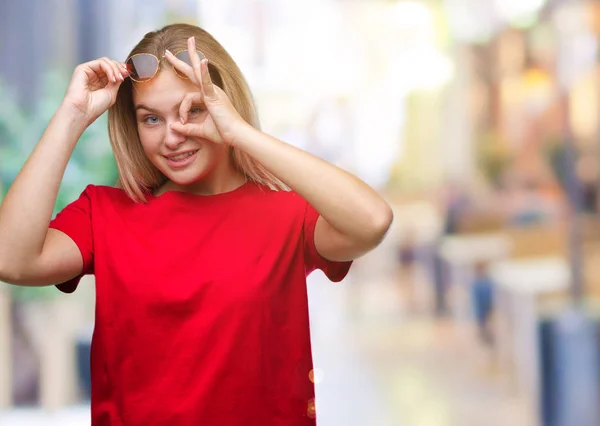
164 91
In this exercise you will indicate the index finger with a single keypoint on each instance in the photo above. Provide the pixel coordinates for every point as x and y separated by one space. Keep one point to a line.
182 67
188 100
194 58
207 85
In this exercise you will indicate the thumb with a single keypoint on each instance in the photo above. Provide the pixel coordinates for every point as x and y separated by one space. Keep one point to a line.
111 90
103 99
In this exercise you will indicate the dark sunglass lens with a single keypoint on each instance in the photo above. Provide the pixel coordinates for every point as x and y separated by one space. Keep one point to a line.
142 67
184 56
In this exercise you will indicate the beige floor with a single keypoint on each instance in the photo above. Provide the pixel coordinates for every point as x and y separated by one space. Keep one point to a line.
394 364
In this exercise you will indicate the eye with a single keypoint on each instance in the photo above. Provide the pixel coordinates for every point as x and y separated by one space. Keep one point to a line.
195 110
151 119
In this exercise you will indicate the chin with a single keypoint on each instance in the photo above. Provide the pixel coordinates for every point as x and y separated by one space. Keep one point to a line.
185 178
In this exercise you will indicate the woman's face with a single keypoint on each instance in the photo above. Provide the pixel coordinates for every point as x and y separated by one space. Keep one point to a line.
183 160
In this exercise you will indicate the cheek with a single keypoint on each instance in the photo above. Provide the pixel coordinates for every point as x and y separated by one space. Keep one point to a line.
150 139
216 153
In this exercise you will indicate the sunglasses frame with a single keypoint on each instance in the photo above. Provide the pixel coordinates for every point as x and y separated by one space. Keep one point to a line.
177 72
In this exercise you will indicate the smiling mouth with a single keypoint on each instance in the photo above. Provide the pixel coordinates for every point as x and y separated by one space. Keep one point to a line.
181 157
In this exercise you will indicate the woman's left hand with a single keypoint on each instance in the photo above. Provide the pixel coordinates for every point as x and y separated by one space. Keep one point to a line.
223 122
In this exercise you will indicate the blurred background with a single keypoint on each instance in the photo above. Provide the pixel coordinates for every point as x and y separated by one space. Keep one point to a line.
478 120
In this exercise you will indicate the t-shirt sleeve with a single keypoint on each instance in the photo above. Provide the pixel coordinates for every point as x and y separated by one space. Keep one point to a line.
335 271
75 220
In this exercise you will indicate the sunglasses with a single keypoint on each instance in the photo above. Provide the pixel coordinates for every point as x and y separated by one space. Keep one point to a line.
143 67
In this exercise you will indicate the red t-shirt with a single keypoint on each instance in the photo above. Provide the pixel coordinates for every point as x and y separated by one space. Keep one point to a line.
201 305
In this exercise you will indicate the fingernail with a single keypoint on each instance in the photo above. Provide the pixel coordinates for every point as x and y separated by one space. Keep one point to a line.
168 52
114 79
182 120
193 39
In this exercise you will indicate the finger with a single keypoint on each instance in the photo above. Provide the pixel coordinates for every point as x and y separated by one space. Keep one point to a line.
189 129
208 88
101 70
182 67
123 70
194 58
115 74
114 70
187 102
118 69
112 89
123 67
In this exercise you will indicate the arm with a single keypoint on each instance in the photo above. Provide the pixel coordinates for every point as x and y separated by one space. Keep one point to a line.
30 253
27 208
353 217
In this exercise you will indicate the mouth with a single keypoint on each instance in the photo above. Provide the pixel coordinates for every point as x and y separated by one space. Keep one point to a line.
181 160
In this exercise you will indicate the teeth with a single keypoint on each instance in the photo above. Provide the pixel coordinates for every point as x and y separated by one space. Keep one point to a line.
182 156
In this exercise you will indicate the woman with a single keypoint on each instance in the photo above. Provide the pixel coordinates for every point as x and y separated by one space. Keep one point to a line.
201 252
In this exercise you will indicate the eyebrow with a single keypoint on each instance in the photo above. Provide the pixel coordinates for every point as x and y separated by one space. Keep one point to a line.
147 108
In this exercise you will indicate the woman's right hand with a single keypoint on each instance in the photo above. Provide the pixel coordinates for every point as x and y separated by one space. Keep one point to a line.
94 86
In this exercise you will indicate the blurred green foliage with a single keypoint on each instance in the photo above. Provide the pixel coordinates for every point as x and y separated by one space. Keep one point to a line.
20 130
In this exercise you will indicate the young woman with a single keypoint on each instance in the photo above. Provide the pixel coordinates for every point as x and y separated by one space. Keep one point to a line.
201 252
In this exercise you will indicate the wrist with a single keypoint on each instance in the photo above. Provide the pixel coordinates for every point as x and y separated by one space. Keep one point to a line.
241 134
76 119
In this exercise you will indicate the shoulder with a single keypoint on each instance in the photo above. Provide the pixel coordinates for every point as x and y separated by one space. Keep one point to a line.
287 200
99 197
275 209
107 193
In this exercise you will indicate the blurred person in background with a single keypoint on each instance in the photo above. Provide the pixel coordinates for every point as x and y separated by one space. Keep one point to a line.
408 258
201 252
454 204
482 298
587 172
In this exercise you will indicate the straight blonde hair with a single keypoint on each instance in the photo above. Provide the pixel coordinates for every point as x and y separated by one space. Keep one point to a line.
137 174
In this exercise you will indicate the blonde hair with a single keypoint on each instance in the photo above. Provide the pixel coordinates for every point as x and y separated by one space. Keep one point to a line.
137 174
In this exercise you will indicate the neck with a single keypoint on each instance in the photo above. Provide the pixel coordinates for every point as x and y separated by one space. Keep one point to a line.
217 181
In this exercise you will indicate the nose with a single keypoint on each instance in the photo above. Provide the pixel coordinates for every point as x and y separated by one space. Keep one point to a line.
173 139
